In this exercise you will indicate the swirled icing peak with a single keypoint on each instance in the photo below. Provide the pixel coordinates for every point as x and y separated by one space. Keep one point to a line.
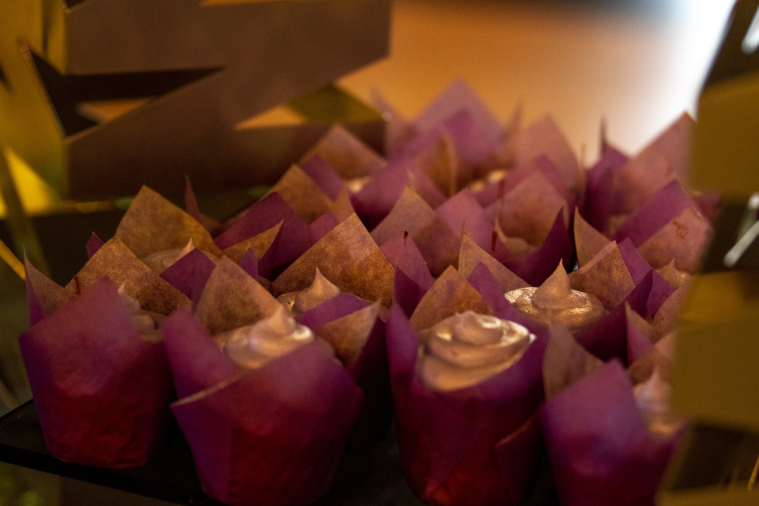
320 291
146 322
162 260
555 301
468 348
673 276
252 346
653 399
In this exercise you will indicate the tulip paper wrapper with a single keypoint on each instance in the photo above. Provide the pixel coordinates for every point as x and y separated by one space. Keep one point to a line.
668 225
271 229
618 184
378 196
112 260
153 224
346 154
600 449
305 196
436 241
101 391
477 445
273 435
349 258
354 329
231 298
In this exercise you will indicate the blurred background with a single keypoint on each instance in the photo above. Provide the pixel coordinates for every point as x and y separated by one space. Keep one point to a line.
637 63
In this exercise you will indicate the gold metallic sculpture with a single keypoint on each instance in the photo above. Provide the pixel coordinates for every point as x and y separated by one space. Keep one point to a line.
101 96
716 369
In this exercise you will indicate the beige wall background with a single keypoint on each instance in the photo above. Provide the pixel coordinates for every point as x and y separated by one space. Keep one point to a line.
637 63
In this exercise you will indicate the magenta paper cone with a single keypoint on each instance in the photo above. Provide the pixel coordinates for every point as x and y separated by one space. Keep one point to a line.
438 244
348 155
353 328
402 348
588 241
638 336
564 361
664 159
249 263
528 211
101 391
406 292
639 268
378 196
434 153
491 193
684 239
600 449
463 210
43 295
362 268
605 276
118 263
275 434
450 294
94 243
403 254
447 439
536 267
656 212
476 154
196 360
323 175
543 137
152 223
665 320
471 255
547 170
262 216
304 196
321 226
607 337
370 370
518 459
486 284
338 306
190 273
636 264
456 97
599 197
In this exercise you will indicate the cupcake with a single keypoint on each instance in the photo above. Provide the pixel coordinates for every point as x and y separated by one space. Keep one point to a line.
267 415
608 442
466 392
555 301
100 379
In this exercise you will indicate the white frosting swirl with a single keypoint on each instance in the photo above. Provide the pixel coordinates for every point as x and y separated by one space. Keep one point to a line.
254 345
146 322
162 260
320 291
653 399
468 348
673 276
555 301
